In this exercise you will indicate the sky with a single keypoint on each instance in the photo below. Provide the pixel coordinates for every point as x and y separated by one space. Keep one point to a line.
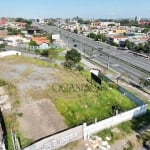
108 9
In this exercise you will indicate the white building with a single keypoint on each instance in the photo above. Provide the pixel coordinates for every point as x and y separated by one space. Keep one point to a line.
137 18
8 53
15 40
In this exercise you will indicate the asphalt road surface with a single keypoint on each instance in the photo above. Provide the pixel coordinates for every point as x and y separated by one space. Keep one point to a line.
82 42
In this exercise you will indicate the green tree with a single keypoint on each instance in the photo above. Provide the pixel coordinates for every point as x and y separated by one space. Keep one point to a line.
2 46
92 36
144 82
81 21
12 31
33 43
129 45
111 25
145 30
101 37
28 22
51 23
139 47
147 47
73 55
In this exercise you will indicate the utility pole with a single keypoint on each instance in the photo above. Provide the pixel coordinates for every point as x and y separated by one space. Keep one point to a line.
108 62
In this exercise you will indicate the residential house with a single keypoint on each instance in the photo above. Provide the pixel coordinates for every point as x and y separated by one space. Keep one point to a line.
118 39
14 40
3 23
3 34
42 42
34 30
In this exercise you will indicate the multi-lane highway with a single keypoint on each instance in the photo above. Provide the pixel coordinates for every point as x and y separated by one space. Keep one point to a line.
122 68
85 44
122 61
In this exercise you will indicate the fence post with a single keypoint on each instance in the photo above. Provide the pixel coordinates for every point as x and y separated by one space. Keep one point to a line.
16 144
13 140
84 132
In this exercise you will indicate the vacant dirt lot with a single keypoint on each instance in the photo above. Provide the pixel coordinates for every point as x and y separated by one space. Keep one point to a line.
39 115
40 119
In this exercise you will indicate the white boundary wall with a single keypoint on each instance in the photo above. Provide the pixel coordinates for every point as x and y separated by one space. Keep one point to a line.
83 131
113 121
58 140
8 53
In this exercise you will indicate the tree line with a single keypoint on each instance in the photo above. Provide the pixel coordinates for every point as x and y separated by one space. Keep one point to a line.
141 47
97 37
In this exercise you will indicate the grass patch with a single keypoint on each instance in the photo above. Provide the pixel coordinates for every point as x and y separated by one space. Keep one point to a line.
60 58
3 82
24 142
11 122
142 121
12 92
118 132
9 141
127 128
28 60
10 119
86 106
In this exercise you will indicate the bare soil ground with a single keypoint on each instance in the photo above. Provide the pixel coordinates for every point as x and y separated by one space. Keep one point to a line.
40 119
39 115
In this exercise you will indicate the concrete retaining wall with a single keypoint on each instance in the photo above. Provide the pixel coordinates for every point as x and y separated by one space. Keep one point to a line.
58 140
113 121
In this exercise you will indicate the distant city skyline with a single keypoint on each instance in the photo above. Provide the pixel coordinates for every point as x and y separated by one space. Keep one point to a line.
108 9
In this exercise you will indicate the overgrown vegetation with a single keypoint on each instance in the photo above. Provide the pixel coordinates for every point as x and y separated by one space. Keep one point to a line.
28 60
13 31
127 128
9 141
10 118
118 132
23 140
12 90
82 105
52 53
91 104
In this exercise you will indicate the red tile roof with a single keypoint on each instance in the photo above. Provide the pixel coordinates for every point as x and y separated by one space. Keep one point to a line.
40 40
3 22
